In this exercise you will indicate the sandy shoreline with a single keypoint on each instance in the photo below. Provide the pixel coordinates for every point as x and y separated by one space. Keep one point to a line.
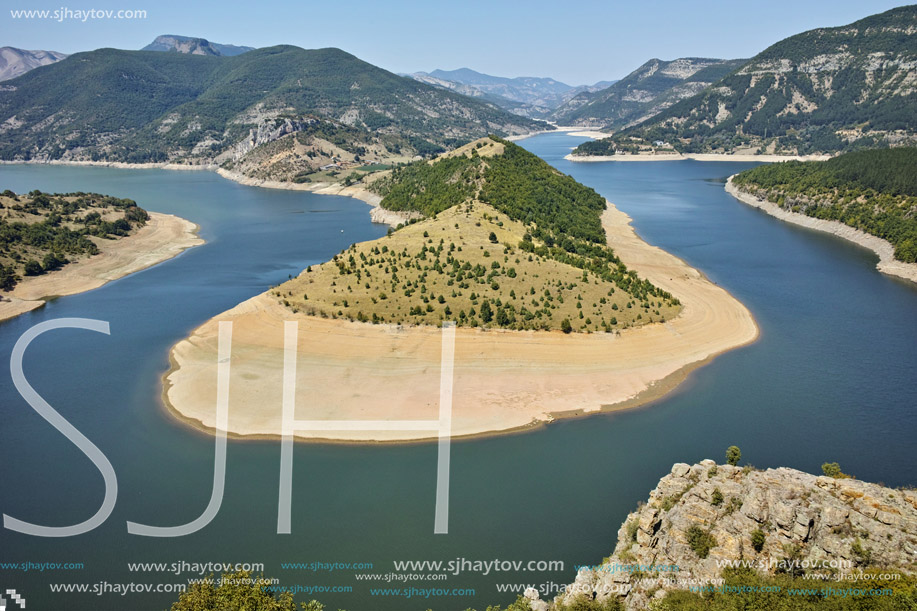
697 157
377 214
504 381
887 263
163 237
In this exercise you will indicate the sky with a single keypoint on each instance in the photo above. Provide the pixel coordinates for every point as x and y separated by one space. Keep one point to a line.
577 42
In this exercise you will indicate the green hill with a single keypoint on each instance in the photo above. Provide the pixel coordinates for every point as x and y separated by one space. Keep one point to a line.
42 232
643 93
825 90
140 106
506 241
874 191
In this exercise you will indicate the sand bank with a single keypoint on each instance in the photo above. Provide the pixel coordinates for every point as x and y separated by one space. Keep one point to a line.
697 157
503 380
163 237
887 262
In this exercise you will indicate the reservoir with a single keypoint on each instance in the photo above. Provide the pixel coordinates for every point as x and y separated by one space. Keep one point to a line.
831 378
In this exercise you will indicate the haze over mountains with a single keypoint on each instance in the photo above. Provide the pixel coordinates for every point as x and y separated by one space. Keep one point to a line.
16 62
529 96
824 90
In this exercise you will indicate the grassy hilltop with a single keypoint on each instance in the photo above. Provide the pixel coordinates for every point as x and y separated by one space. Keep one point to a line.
506 242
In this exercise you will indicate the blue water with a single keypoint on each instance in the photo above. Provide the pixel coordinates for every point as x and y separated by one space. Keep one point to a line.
830 379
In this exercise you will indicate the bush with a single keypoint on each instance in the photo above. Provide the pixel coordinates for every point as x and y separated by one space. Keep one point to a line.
717 498
832 469
757 539
733 455
565 326
33 268
700 540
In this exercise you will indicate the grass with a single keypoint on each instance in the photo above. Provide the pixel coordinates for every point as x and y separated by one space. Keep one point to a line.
447 268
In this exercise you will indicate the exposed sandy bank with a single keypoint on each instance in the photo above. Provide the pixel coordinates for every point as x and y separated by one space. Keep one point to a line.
887 262
697 157
163 237
504 380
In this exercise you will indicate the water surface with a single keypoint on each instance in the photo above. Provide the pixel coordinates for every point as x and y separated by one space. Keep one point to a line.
831 379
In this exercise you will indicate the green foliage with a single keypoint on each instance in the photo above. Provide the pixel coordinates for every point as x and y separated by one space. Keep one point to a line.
235 592
873 191
717 497
757 104
565 326
832 469
138 106
757 539
862 554
753 592
733 455
47 228
585 603
700 540
520 604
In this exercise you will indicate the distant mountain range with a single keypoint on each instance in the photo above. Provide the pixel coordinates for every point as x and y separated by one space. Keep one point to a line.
194 46
310 107
643 93
824 90
528 96
16 62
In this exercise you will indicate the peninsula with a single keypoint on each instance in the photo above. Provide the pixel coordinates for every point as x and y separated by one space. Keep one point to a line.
867 197
53 245
561 309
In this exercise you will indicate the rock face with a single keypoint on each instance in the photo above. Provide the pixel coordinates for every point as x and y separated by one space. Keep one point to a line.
817 91
16 62
812 524
648 90
193 46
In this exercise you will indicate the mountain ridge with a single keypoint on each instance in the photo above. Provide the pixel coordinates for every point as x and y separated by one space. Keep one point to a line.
823 90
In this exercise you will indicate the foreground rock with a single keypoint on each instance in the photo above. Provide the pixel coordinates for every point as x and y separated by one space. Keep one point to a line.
821 525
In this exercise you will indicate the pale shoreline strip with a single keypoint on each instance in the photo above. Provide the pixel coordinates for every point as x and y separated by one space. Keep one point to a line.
750 158
887 263
376 215
505 381
163 237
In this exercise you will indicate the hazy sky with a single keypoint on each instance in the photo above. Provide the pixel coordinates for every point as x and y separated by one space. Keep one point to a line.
573 41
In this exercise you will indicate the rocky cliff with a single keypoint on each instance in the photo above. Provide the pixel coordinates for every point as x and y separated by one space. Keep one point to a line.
700 518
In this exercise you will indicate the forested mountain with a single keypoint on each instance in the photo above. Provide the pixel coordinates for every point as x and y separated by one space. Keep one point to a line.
505 240
524 95
141 106
194 46
874 191
824 90
16 62
643 93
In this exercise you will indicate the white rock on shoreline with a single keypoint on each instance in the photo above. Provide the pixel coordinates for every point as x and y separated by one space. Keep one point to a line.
886 252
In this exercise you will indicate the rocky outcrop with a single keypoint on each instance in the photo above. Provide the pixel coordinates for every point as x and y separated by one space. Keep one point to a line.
269 130
16 62
702 517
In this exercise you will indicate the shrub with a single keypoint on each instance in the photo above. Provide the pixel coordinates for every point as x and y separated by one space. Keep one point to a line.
733 455
757 539
717 498
33 268
700 540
